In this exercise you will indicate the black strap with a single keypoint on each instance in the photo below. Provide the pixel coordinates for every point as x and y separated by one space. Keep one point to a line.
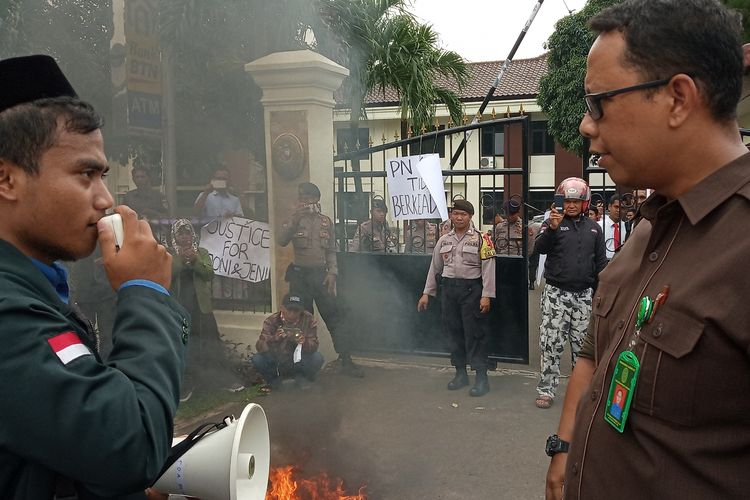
183 446
65 489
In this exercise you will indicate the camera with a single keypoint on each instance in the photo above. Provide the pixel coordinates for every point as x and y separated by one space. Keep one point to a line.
115 222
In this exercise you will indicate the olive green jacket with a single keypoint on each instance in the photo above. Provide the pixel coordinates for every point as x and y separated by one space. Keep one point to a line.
203 272
103 426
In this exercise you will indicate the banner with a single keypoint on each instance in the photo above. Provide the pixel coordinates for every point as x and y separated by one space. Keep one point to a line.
239 248
415 187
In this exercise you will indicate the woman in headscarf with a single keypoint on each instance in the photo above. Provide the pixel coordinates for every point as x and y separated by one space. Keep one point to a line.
192 273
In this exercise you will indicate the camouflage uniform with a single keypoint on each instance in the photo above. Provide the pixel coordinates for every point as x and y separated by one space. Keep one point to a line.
565 315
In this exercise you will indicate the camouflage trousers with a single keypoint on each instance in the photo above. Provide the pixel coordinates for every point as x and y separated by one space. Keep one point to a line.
565 318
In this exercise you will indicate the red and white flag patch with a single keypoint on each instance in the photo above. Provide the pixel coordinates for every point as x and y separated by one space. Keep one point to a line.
68 346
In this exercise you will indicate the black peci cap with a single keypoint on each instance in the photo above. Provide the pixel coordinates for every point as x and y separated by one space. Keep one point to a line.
464 205
512 207
29 78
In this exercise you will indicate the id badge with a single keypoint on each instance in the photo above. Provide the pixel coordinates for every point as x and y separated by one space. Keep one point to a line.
621 390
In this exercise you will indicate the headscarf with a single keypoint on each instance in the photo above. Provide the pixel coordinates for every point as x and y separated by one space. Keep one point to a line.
178 226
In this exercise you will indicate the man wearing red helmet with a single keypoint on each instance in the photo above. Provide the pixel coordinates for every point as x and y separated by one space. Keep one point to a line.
574 245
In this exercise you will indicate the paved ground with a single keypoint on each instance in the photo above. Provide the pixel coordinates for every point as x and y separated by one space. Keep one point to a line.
405 436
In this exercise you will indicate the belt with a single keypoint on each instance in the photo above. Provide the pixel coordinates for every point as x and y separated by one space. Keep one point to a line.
461 281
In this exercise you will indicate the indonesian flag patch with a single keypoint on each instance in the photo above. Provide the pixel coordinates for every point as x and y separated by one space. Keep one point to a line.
68 347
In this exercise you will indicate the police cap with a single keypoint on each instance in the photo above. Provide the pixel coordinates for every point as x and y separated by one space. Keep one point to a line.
464 205
29 78
513 207
379 203
309 189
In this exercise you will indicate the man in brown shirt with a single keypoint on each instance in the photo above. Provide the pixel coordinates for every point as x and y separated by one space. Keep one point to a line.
687 430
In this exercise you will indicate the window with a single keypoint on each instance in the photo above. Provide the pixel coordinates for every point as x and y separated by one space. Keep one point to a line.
540 199
541 142
429 146
345 144
493 141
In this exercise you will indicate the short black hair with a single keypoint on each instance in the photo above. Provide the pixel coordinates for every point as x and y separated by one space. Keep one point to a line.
615 197
592 208
28 130
701 38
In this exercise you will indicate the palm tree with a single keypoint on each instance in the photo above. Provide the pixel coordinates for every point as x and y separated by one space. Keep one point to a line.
387 47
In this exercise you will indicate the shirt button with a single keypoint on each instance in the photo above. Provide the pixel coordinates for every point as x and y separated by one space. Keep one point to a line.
653 256
594 395
621 323
657 332
574 469
599 300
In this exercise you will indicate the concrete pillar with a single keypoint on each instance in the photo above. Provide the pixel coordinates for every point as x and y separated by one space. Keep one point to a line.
298 105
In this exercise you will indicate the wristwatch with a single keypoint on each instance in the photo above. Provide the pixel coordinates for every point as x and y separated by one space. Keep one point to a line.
555 445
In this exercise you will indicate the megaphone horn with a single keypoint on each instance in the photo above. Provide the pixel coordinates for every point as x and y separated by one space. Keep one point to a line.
229 463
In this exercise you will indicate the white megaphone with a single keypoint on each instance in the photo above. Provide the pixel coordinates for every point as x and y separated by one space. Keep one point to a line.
231 463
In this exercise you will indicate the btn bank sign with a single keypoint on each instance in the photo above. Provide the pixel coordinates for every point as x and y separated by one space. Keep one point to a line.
143 66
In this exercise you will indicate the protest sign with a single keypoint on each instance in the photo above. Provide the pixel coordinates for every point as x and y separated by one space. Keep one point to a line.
239 248
415 187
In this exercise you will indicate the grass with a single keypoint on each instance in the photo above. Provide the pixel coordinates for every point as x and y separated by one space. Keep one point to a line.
206 402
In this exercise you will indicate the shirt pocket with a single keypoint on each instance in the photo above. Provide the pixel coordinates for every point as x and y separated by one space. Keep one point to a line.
602 321
446 251
669 367
325 238
470 255
302 239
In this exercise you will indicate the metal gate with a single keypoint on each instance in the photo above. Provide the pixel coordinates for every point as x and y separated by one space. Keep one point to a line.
380 289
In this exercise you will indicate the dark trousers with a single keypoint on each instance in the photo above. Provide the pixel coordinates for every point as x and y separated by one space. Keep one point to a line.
467 328
533 266
308 283
268 365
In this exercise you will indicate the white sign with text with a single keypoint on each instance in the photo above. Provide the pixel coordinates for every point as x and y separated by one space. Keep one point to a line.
415 187
239 248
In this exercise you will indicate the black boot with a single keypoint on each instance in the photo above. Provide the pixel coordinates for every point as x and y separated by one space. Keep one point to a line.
349 367
481 386
460 380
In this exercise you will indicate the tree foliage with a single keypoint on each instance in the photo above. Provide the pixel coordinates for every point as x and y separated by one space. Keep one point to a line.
743 7
561 89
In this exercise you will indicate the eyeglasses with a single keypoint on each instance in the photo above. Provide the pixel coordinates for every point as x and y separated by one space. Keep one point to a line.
594 101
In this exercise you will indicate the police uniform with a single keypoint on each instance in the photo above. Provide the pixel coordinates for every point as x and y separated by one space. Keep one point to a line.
420 240
73 426
372 236
509 238
314 243
466 266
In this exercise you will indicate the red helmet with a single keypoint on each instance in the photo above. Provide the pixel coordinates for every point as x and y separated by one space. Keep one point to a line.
575 188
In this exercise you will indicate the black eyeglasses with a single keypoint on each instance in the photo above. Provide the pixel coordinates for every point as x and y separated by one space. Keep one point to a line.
594 101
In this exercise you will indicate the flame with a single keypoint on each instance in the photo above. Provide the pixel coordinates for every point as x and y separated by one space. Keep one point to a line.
286 483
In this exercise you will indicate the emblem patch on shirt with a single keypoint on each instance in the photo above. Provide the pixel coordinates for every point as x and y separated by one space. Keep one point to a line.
488 249
68 346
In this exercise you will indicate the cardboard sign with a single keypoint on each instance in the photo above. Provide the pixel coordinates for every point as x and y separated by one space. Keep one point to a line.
239 248
415 187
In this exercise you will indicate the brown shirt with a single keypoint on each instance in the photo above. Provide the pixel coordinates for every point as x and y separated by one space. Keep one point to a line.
372 236
688 432
306 327
509 238
313 240
420 239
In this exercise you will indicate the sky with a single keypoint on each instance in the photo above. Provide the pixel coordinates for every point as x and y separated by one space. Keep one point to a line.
485 30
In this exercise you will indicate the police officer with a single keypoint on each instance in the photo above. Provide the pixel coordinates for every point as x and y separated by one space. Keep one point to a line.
73 426
508 234
465 259
374 235
420 236
313 273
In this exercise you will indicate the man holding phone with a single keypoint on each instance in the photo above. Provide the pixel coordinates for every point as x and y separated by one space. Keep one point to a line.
73 425
216 200
574 246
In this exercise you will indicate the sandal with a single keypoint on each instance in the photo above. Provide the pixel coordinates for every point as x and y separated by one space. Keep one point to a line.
543 401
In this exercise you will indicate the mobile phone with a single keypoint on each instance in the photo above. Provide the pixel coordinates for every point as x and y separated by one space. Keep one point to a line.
115 221
559 199
218 184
